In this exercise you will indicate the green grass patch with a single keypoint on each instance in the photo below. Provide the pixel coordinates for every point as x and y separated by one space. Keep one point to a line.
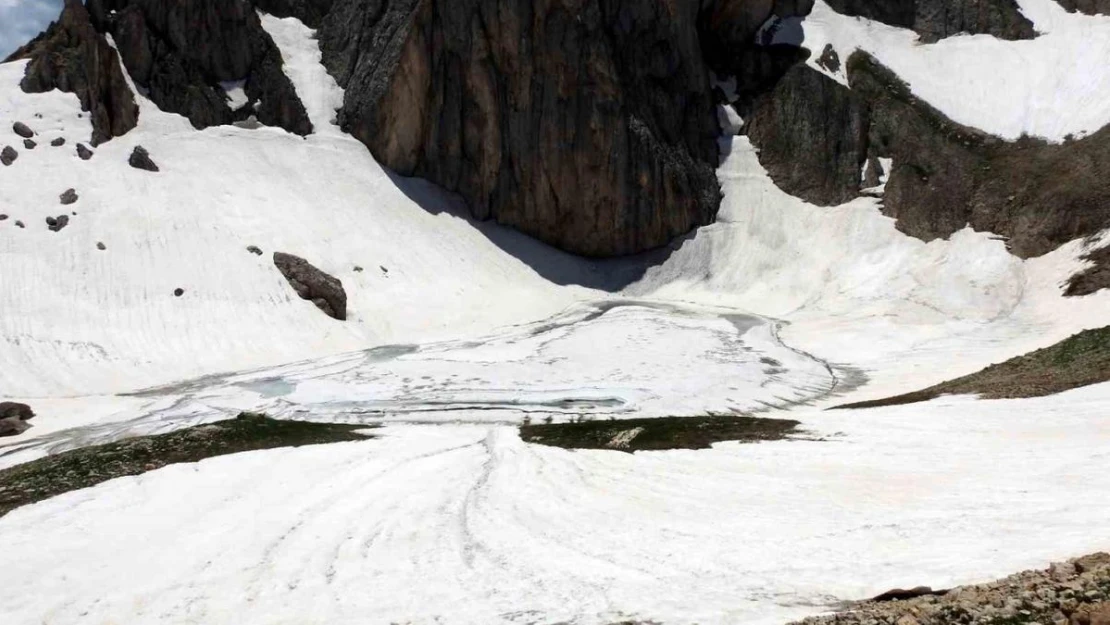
80 468
1079 360
630 435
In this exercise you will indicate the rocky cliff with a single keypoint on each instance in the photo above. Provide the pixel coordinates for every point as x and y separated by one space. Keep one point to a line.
186 55
586 123
73 57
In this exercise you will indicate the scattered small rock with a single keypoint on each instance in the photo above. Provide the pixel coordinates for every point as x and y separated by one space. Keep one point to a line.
100 246
382 267
19 223
84 152
140 159
178 292
59 142
68 197
358 269
8 155
312 284
57 223
22 130
254 249
29 144
3 217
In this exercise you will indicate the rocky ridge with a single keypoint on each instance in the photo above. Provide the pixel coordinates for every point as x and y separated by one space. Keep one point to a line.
1076 592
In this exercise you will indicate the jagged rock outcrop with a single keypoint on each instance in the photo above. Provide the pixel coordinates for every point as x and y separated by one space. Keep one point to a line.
588 124
73 57
947 176
183 52
1090 7
936 19
812 135
313 284
311 12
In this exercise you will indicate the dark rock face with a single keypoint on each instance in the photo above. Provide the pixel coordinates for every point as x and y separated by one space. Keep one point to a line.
314 285
72 56
181 52
22 130
13 427
728 26
84 152
936 19
1090 7
54 224
1093 279
812 135
588 124
946 176
59 142
311 12
140 159
8 155
68 197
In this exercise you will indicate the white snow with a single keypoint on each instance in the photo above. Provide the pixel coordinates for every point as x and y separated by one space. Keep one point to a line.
1052 86
236 94
469 525
457 331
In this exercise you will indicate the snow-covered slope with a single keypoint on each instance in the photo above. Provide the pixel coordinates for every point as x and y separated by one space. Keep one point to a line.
76 319
1052 86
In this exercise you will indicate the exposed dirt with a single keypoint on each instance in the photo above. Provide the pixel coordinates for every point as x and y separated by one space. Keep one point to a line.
53 475
632 435
1079 360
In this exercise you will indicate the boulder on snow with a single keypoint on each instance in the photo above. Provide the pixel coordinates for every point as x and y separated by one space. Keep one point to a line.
3 217
84 152
178 292
22 130
100 246
140 159
8 155
68 197
254 249
16 410
19 223
314 285
59 142
29 144
57 223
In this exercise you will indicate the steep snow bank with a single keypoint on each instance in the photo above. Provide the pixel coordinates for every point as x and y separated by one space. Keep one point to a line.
77 319
1051 86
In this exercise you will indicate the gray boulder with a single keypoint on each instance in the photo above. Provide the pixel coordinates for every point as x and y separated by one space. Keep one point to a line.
68 197
313 284
1090 7
13 427
29 144
59 142
8 155
22 130
57 223
140 159
84 152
